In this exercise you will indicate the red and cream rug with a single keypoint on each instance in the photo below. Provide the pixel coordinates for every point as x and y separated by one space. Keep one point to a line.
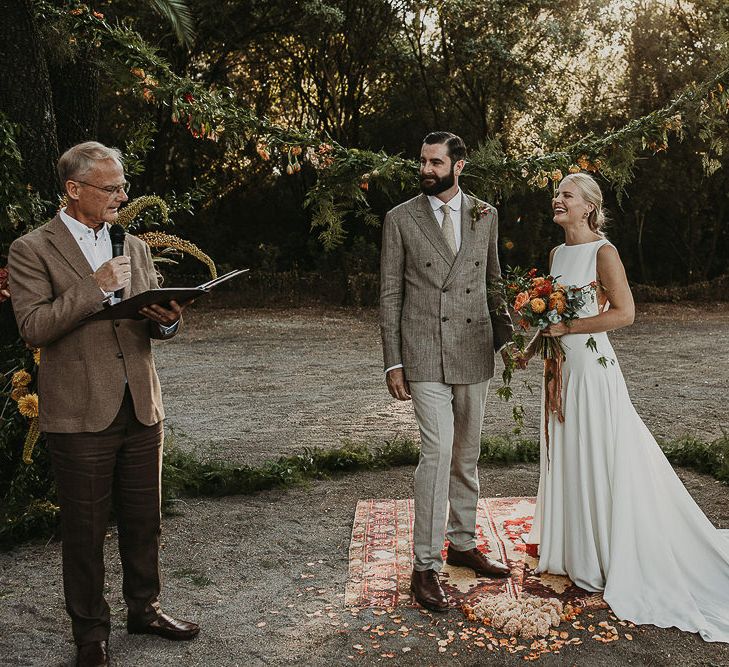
380 556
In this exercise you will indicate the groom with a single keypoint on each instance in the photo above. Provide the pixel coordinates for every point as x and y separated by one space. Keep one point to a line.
440 328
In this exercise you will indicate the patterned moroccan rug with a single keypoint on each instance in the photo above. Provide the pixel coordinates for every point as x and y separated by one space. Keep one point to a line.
380 556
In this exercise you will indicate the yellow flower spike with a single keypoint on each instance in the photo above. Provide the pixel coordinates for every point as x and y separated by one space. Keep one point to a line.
30 439
135 207
21 378
28 406
62 203
161 240
36 356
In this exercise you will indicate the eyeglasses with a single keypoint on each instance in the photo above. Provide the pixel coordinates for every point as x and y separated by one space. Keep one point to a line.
110 189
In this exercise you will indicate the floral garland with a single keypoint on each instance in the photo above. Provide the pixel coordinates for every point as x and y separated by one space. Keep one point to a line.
345 175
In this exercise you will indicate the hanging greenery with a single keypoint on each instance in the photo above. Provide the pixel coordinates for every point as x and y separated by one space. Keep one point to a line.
345 175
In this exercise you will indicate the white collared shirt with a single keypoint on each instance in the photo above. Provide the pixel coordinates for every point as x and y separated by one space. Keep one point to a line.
96 247
455 206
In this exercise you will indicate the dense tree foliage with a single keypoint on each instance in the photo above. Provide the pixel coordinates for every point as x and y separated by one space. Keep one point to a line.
533 75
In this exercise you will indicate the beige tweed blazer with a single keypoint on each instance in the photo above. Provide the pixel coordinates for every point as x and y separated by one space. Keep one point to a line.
83 365
437 317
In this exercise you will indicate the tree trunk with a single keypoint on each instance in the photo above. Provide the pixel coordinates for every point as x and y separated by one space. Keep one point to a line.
25 96
75 85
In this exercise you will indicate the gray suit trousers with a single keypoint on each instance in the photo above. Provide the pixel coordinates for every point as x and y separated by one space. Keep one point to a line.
450 418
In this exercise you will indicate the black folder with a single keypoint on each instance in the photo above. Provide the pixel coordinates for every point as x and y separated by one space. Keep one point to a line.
129 308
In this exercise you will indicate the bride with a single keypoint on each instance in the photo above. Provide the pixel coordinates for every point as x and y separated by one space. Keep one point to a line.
611 514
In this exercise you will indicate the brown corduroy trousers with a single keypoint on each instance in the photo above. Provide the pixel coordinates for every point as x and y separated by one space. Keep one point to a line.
125 460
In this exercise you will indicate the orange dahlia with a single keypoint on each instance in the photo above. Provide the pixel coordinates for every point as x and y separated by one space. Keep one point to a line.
538 305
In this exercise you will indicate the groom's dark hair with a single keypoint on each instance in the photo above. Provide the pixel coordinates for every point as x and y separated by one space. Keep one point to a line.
454 144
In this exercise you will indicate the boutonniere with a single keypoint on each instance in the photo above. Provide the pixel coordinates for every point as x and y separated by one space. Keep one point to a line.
477 211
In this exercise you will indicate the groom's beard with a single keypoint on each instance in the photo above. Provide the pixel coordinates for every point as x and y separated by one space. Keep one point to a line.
433 185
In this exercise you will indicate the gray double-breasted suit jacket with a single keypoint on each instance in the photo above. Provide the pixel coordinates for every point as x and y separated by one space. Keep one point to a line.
437 316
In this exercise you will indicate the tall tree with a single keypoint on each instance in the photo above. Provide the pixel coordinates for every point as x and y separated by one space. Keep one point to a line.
25 95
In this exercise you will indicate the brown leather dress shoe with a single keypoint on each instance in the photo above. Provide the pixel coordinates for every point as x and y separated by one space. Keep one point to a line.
480 564
93 654
426 589
165 626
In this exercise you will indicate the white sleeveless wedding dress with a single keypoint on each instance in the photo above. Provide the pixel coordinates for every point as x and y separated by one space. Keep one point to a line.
611 513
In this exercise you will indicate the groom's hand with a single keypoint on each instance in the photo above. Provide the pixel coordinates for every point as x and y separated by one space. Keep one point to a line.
397 385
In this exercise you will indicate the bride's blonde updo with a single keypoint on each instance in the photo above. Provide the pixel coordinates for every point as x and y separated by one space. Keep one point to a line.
590 191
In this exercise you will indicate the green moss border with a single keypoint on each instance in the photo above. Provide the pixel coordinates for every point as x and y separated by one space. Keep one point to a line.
185 475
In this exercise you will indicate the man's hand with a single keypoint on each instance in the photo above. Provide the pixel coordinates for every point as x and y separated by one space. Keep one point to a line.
397 385
165 316
114 274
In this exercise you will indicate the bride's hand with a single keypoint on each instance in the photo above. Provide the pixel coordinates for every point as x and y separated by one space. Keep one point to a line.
556 330
522 359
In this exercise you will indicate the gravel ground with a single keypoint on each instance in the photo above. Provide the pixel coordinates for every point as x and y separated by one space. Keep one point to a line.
251 385
265 574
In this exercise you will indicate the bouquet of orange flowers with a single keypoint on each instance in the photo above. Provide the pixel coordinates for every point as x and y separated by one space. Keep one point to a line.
540 301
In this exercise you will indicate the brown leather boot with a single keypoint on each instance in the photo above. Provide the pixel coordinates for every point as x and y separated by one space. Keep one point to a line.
480 564
426 589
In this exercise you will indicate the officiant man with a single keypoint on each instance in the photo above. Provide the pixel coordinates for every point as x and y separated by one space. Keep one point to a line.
99 395
440 327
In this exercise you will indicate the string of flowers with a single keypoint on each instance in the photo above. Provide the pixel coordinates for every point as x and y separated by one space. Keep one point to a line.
345 175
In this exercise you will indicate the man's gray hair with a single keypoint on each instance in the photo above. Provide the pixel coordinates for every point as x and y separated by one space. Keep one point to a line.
78 160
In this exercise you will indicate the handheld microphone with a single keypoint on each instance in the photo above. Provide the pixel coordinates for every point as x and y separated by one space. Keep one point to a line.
117 233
